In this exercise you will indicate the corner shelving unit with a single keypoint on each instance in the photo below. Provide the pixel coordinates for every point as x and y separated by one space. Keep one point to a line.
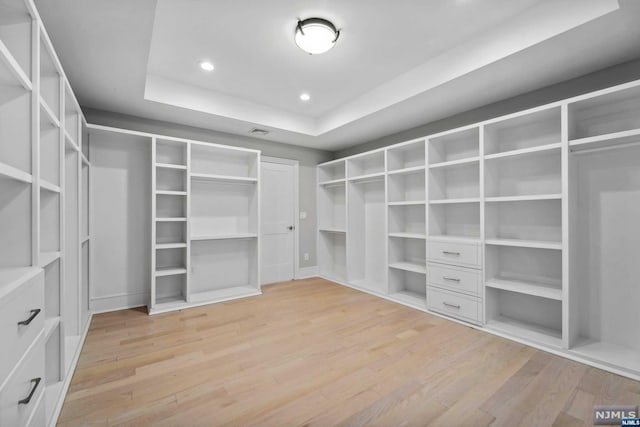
332 220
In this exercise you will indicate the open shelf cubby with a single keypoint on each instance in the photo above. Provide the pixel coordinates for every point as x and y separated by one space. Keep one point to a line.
208 159
221 264
170 152
332 207
530 271
168 206
71 117
523 132
220 209
534 174
456 183
15 224
171 262
52 356
332 255
331 171
16 32
49 221
605 120
537 220
52 290
171 289
15 129
49 80
171 232
407 221
604 291
408 187
408 287
366 238
454 147
49 151
406 156
408 254
455 220
171 179
84 213
366 164
524 316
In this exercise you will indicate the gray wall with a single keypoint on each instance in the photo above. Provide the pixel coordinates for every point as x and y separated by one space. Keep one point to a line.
604 78
307 157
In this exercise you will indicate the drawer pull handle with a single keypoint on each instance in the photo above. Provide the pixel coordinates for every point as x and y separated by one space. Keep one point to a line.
26 400
451 279
448 304
34 313
451 253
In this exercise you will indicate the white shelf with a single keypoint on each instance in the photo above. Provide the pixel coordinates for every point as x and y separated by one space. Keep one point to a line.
12 173
607 140
454 239
170 245
414 169
170 271
409 266
169 303
608 353
523 198
71 142
171 219
225 236
409 235
368 177
524 243
171 193
542 290
170 166
47 258
45 185
454 201
223 178
48 113
412 299
331 230
223 294
524 151
452 163
14 67
12 278
408 203
530 332
50 325
332 182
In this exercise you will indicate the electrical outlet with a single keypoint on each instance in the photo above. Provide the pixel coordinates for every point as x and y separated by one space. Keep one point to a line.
306 256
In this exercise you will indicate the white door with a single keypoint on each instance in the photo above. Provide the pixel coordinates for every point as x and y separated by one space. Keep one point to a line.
278 213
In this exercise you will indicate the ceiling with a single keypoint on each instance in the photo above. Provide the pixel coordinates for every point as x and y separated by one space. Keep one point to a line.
396 65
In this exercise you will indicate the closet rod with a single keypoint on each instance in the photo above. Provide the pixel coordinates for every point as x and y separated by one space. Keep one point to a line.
610 147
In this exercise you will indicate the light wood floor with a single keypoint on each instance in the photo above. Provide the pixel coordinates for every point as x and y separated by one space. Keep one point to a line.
315 353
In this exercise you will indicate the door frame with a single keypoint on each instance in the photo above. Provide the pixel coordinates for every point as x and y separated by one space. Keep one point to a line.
296 207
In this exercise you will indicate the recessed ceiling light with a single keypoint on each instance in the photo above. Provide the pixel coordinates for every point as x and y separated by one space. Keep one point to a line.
316 35
206 65
305 97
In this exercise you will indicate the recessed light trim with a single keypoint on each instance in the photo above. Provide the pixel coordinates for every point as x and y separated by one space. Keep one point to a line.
305 97
206 66
316 35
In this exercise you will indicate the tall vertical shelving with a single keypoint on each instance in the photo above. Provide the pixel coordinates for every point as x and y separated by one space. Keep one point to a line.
332 220
205 223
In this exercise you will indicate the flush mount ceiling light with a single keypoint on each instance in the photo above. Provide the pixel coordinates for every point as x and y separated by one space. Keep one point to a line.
305 97
316 35
206 66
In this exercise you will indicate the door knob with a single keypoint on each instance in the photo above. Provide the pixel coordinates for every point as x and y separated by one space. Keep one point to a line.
291 228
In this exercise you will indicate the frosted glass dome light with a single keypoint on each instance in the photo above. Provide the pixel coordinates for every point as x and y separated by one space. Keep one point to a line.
316 35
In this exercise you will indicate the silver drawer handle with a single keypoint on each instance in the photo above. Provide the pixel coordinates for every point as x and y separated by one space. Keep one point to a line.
448 304
451 279
451 253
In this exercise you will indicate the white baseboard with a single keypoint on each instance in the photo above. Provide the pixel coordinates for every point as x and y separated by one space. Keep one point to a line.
109 303
307 272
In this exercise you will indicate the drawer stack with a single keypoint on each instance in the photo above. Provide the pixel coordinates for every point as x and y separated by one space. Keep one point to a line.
454 278
22 360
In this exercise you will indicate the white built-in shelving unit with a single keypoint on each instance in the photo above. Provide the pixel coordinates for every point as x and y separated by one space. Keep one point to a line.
41 192
523 225
205 208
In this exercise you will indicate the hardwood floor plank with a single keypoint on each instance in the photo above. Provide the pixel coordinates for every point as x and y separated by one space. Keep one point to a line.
314 353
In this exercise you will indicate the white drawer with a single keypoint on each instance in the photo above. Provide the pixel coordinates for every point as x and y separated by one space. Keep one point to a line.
22 384
456 253
455 278
17 307
453 304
